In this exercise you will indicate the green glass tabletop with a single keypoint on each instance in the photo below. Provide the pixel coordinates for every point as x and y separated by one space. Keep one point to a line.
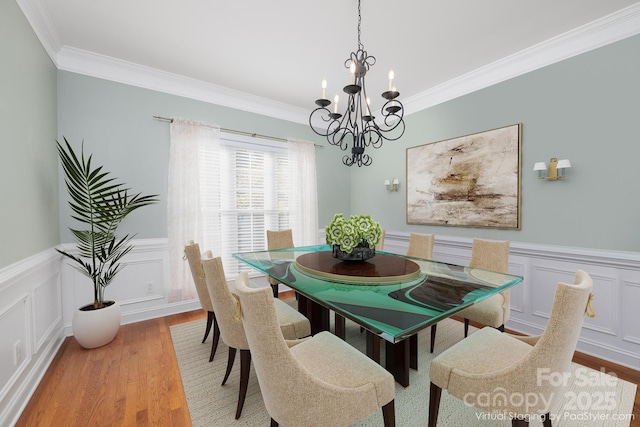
391 295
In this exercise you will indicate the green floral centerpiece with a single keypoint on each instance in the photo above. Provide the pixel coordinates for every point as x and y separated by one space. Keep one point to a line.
353 239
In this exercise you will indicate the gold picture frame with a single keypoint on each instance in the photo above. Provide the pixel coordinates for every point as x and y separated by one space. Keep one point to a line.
467 181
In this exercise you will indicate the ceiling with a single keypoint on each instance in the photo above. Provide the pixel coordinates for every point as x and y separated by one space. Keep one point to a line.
274 55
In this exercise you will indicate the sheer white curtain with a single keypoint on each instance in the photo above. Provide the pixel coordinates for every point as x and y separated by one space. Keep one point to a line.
185 219
303 196
197 188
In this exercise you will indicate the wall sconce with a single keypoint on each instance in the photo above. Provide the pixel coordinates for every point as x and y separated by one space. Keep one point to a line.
392 185
556 169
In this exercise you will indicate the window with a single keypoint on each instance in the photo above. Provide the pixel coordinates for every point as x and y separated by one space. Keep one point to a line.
251 197
225 191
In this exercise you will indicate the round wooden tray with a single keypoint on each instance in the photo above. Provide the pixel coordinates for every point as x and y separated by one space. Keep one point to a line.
378 270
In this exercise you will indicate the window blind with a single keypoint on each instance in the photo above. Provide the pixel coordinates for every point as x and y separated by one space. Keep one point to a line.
243 192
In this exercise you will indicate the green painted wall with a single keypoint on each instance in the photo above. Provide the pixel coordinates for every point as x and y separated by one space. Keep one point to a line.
28 164
117 126
585 108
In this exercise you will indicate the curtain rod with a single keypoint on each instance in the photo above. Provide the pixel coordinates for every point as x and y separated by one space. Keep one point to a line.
237 132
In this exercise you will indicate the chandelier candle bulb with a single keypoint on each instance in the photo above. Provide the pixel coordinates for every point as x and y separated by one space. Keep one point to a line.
368 106
324 89
391 77
352 71
335 106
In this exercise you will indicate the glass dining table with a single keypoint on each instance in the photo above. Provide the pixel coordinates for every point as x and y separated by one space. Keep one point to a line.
391 296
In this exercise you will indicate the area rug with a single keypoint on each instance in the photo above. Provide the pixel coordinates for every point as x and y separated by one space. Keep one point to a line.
590 398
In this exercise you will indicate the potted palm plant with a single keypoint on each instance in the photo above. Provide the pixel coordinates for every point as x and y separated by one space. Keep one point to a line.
100 204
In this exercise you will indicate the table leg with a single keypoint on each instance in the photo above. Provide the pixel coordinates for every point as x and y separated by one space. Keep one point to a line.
373 347
397 360
303 304
318 315
339 328
413 351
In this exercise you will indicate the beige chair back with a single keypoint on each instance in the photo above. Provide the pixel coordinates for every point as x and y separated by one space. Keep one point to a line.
421 245
224 303
530 384
291 393
554 349
493 255
280 376
380 244
490 255
192 252
279 239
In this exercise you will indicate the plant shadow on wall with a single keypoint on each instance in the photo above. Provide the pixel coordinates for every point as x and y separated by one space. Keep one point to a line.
100 204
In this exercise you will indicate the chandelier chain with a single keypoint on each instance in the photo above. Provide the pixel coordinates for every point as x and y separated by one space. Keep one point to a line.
360 45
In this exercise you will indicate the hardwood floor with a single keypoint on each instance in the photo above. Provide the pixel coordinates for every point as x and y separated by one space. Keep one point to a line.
135 381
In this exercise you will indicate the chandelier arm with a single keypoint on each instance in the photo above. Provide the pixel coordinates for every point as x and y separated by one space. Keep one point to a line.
340 141
375 137
320 112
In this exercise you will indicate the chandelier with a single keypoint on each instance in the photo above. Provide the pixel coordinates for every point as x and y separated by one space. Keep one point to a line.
358 125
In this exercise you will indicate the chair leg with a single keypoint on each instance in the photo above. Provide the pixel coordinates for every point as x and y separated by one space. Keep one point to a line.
389 414
466 327
519 422
501 328
216 339
274 423
433 336
210 318
230 360
245 367
546 419
434 404
274 288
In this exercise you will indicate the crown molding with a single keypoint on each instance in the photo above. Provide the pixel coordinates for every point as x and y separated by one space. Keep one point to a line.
609 29
42 25
601 32
109 68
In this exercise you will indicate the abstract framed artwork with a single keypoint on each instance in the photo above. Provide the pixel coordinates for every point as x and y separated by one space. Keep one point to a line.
468 181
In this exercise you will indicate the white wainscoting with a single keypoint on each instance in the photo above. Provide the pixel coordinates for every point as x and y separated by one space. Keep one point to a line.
30 327
39 295
614 334
141 288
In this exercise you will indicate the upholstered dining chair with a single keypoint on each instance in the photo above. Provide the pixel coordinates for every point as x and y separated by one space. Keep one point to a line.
318 381
380 244
420 245
499 372
193 255
290 323
494 311
278 240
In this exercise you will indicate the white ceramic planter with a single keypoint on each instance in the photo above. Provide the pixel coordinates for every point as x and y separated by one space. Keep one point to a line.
95 328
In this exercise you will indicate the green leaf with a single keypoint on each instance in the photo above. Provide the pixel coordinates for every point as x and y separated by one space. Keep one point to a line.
101 203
